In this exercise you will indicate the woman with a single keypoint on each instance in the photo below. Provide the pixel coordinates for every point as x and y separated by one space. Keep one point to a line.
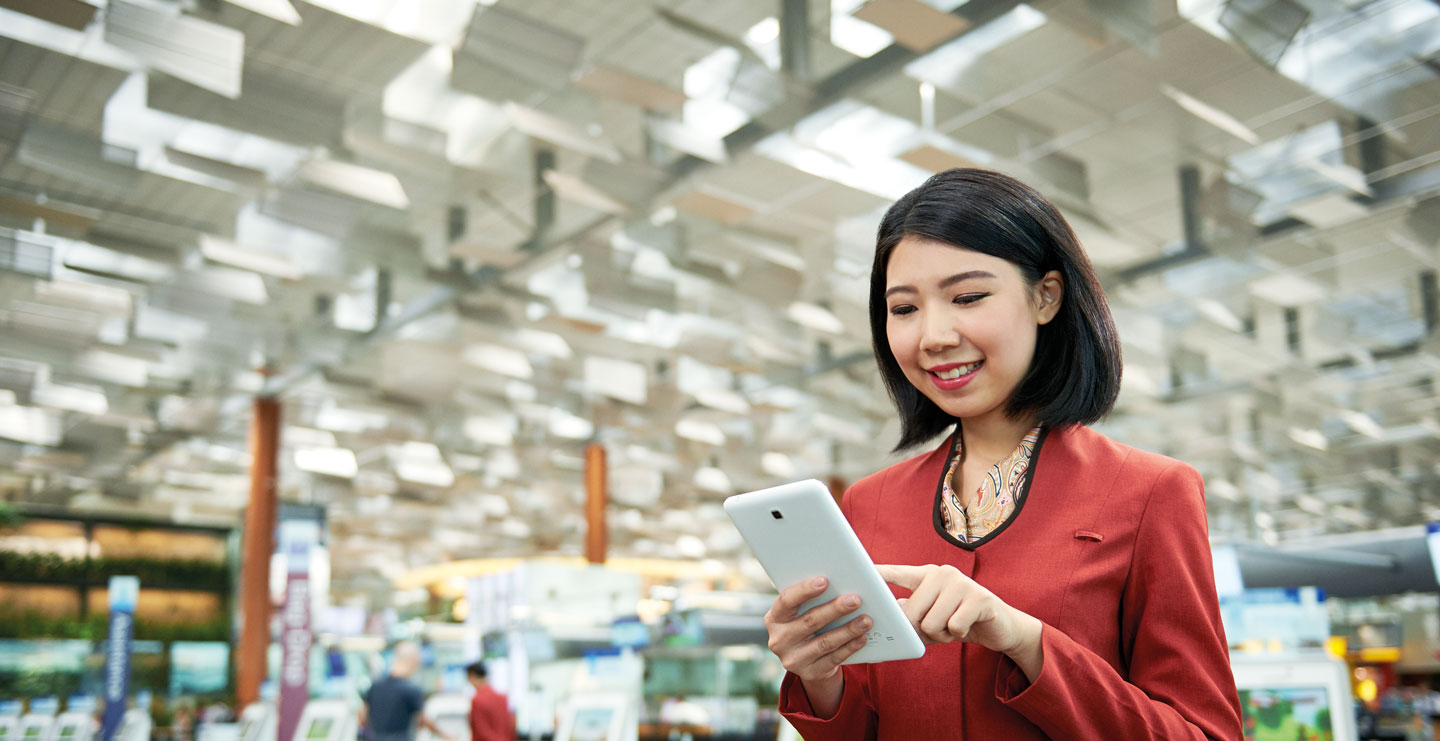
1061 581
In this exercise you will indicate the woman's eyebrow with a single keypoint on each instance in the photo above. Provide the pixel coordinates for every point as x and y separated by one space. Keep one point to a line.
946 283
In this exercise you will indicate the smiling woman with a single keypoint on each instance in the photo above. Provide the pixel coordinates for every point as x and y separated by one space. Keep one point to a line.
987 318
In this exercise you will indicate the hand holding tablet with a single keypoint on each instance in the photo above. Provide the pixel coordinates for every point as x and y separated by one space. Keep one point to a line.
833 608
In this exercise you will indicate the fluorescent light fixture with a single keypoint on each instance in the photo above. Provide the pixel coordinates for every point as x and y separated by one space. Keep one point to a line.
331 417
689 546
228 253
83 399
560 132
1219 314
700 432
1310 438
1212 115
491 429
420 463
617 379
307 437
339 462
564 424
507 361
124 370
356 181
778 465
724 400
815 317
1288 289
280 10
1362 423
854 35
31 425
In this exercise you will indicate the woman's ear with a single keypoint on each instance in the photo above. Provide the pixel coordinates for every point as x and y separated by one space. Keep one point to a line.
1049 292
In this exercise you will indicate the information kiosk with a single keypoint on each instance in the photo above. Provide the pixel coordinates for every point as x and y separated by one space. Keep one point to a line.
9 726
35 726
9 720
451 713
135 726
257 722
327 720
72 726
1295 696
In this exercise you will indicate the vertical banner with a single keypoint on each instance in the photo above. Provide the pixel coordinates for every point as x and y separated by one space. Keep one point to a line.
296 540
123 593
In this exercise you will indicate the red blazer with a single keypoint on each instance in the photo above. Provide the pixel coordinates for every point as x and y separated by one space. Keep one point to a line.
1110 551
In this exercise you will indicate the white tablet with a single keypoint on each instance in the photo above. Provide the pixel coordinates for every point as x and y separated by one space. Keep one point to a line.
798 533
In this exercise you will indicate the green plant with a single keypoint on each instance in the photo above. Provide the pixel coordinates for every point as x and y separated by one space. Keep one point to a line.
45 567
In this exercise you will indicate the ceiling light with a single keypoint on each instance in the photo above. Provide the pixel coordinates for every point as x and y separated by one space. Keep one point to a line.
1309 437
420 463
494 429
615 378
83 399
338 462
689 546
564 424
507 361
778 465
724 400
854 35
1362 423
713 479
1220 314
1212 115
815 317
226 252
701 432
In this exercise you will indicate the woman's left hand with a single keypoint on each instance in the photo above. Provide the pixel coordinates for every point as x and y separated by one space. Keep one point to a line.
946 605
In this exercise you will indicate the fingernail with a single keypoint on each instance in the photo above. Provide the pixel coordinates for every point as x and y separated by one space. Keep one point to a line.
819 582
865 622
852 601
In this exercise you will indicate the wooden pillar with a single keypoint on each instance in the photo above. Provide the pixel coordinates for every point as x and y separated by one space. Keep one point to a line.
255 552
596 497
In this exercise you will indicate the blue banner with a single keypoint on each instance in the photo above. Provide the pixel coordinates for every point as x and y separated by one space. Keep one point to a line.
123 593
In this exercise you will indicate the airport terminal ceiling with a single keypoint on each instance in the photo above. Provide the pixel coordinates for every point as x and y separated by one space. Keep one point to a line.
466 239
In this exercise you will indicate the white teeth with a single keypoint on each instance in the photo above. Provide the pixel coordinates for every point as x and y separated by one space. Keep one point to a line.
958 371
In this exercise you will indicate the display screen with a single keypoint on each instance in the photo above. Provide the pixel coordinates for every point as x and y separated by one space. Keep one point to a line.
592 724
68 730
33 731
1286 714
319 728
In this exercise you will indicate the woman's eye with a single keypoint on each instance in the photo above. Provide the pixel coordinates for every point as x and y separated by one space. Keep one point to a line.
902 310
970 298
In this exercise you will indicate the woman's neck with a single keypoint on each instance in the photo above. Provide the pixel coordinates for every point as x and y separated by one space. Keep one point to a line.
993 436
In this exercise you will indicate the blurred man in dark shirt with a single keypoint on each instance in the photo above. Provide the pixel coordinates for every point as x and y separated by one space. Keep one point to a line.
394 703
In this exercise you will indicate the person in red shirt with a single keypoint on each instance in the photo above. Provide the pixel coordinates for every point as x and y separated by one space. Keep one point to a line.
1061 581
490 716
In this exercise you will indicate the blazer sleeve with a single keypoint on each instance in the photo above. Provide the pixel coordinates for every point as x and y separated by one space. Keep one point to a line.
855 719
1179 684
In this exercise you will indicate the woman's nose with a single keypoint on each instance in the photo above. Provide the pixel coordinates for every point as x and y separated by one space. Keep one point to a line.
939 333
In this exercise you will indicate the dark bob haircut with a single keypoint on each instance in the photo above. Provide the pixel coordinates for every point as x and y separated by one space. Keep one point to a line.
476 670
1074 376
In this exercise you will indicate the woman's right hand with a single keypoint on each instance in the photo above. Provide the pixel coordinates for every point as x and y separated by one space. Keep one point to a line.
815 659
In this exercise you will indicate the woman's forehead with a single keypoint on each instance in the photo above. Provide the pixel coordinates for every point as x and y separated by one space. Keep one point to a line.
918 258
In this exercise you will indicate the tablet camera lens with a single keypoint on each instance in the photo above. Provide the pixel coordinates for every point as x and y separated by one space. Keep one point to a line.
776 514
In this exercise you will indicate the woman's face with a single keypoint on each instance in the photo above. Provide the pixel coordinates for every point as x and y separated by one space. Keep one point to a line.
962 324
